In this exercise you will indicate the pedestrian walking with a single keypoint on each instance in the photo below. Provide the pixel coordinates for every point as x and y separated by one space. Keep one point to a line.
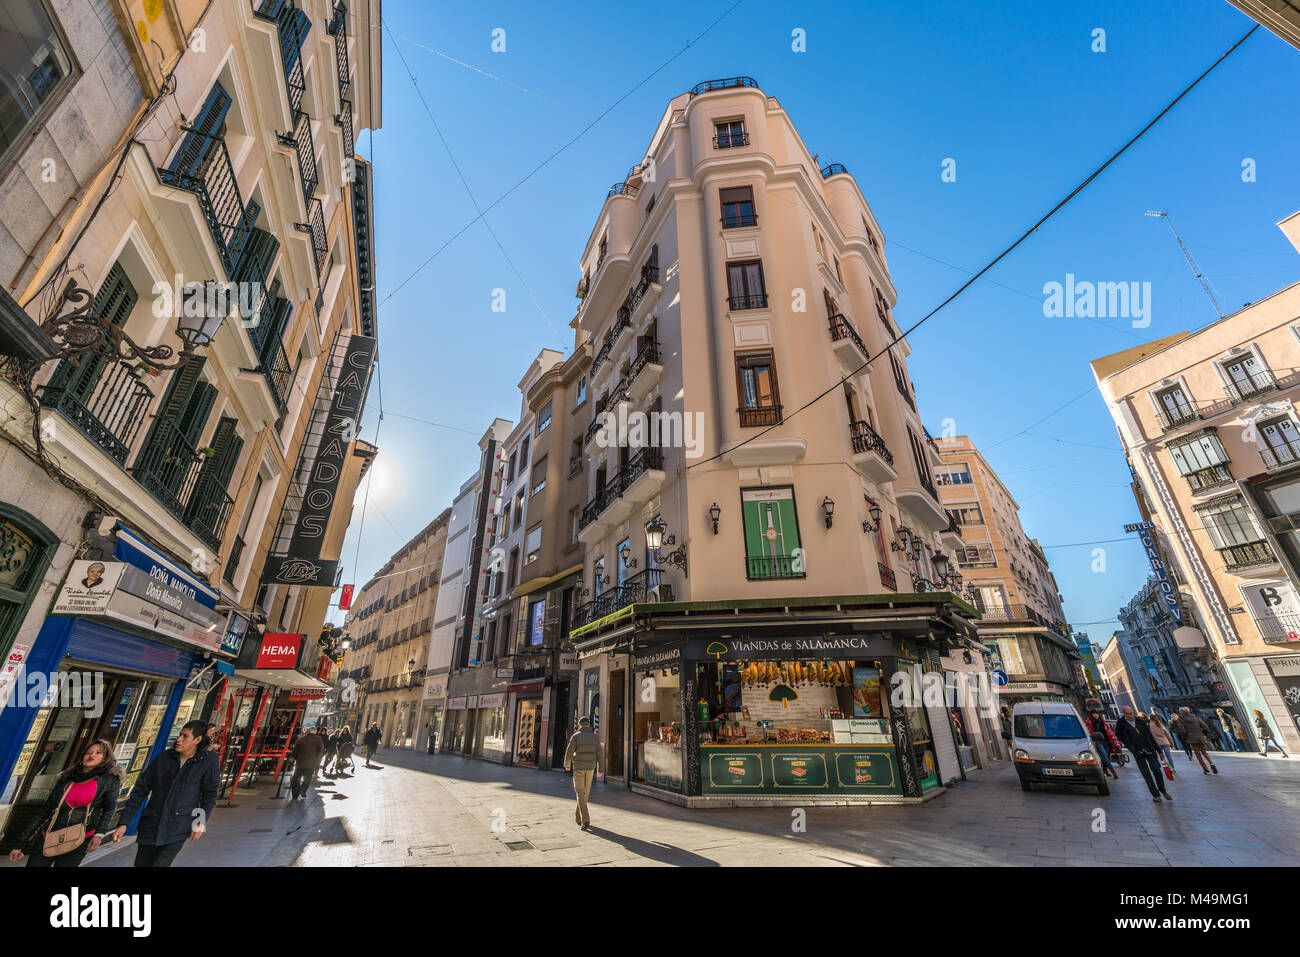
83 799
181 787
1229 736
1179 738
307 755
1194 734
584 758
343 753
1135 734
1161 734
331 741
1266 735
1104 741
372 743
1239 732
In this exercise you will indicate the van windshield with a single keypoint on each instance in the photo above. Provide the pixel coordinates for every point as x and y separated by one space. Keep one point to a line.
1048 726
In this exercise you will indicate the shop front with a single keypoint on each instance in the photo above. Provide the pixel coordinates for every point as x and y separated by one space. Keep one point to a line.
764 709
530 719
124 656
433 704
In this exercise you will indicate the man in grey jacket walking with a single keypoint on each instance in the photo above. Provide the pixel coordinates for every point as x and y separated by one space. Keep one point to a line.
584 758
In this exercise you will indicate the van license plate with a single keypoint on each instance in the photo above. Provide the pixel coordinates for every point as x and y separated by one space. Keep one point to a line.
1065 772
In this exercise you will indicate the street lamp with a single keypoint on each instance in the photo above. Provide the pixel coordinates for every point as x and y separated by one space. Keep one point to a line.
873 523
625 553
655 539
828 508
714 514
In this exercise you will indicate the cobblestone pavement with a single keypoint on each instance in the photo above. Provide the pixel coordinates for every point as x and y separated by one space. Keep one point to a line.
444 811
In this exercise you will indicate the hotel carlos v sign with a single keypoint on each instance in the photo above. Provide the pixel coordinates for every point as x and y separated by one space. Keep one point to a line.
302 565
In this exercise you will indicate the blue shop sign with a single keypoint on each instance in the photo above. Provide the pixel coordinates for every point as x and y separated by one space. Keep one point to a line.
233 639
131 549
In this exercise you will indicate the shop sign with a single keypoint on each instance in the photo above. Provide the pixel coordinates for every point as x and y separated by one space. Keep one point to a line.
14 662
505 672
279 650
1167 591
233 639
323 669
435 687
728 769
492 700
306 694
1275 606
88 587
659 657
134 551
471 701
796 770
345 600
1028 687
528 687
456 704
568 661
811 647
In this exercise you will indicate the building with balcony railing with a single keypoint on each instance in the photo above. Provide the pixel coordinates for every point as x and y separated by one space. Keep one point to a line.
1209 423
193 468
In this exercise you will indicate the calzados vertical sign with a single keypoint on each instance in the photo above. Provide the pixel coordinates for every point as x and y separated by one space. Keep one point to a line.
303 566
1167 591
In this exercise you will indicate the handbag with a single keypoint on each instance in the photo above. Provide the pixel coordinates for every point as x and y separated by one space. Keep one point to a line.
65 839
1169 772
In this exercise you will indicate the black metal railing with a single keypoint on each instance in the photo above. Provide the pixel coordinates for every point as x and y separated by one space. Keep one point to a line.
621 189
208 509
928 484
1171 419
725 141
1280 456
315 225
344 120
649 353
279 376
618 596
737 220
108 408
728 83
759 415
300 139
603 500
831 169
1014 613
171 469
265 317
650 457
649 276
1243 556
1279 628
1253 384
232 560
213 181
341 66
1213 477
841 328
766 567
866 439
929 440
747 302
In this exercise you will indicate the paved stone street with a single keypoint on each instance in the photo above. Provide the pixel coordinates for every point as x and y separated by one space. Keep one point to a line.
422 810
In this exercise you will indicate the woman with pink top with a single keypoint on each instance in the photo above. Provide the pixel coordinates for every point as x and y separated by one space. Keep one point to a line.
86 793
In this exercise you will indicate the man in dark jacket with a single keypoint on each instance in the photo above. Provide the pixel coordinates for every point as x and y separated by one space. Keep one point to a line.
1135 734
1193 730
307 754
584 757
372 743
181 785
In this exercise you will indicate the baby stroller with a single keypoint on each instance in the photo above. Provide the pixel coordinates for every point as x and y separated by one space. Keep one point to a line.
344 759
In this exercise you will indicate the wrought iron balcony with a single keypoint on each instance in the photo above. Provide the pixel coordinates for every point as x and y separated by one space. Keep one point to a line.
1276 629
650 457
841 328
649 353
736 303
106 403
618 596
759 415
866 439
929 440
727 84
576 465
1213 477
279 376
1244 556
649 276
831 169
726 141
202 166
1239 390
170 469
768 567
315 226
621 189
1280 456
737 220
1014 613
208 509
300 139
340 35
344 120
232 560
1180 415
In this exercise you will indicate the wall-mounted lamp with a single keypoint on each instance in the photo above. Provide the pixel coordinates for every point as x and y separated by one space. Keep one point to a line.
828 509
655 539
625 553
714 514
905 536
869 525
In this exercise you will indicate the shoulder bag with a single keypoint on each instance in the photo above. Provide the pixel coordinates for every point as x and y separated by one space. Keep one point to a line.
63 840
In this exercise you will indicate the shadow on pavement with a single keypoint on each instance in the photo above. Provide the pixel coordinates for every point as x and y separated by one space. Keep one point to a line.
654 851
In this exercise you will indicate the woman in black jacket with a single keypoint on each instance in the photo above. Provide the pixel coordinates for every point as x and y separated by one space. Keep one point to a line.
86 793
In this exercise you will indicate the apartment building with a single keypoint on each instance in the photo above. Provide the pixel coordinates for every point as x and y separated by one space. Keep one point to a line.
1123 690
1008 578
743 548
1208 422
390 628
185 216
1175 676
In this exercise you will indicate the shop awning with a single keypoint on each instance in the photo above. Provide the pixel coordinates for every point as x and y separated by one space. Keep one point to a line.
281 677
534 584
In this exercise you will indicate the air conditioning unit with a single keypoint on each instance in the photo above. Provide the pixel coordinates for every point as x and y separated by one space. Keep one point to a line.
660 593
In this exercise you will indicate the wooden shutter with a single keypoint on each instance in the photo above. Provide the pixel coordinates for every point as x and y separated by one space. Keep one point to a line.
194 148
114 302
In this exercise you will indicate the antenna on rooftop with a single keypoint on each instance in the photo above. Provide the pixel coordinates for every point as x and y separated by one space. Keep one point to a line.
1205 283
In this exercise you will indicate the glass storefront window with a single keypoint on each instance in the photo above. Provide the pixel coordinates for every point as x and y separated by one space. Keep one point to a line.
490 742
658 732
786 702
530 716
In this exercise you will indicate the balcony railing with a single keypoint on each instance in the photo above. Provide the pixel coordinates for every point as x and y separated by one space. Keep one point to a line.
212 180
929 440
1280 456
760 415
279 376
622 189
1244 556
300 139
629 592
170 469
739 219
315 226
649 353
736 303
1213 477
725 141
1256 383
208 509
1015 613
841 328
649 276
340 35
650 457
108 408
768 567
1279 628
727 84
866 439
1179 415
831 169
344 120
232 560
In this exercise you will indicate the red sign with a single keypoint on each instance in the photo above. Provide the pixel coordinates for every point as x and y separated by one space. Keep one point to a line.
306 694
323 671
279 650
345 602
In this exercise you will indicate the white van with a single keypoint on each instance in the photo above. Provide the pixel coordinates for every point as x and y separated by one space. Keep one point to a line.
1050 743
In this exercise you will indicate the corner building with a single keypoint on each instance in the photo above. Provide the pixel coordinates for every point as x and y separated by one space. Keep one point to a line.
727 282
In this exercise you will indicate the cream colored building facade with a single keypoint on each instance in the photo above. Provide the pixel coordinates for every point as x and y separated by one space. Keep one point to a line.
1209 424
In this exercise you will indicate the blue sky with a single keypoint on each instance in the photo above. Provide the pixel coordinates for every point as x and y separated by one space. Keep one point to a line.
1012 91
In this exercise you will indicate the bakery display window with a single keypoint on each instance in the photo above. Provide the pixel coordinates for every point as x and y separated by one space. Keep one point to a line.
658 728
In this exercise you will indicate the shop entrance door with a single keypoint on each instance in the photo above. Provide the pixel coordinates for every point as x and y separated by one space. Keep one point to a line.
614 740
562 722
530 716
